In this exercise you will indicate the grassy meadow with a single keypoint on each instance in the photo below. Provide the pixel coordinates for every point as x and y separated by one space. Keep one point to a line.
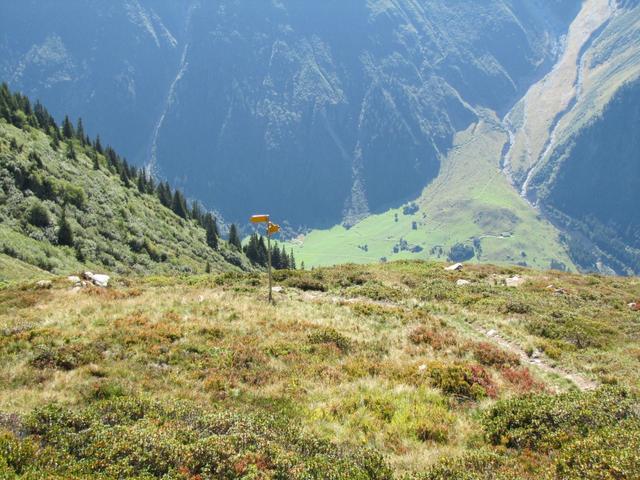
390 371
471 202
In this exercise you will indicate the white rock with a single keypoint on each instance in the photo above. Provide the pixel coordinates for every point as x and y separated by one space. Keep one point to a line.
514 281
462 282
44 284
277 289
491 333
87 275
454 268
101 280
422 368
74 279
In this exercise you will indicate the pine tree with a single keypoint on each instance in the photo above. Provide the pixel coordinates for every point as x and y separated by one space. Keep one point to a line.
164 194
142 184
97 145
197 213
284 259
65 234
179 205
234 238
302 265
67 128
292 261
207 269
276 261
211 231
262 252
96 161
80 131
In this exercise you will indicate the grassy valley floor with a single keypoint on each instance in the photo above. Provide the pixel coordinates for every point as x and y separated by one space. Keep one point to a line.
387 371
471 203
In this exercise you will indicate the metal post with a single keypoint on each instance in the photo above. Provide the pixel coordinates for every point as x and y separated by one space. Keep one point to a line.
269 262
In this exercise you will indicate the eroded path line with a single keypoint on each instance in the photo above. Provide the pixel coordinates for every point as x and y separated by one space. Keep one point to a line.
537 361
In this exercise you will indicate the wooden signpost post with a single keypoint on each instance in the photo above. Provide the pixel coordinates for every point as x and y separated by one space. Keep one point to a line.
272 228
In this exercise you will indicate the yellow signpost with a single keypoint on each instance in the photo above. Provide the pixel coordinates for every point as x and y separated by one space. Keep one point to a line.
272 229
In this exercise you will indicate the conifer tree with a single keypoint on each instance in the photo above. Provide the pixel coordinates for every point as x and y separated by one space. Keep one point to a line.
65 234
292 261
207 269
196 213
234 238
284 259
211 231
67 128
142 184
97 145
262 252
164 194
179 205
80 131
276 261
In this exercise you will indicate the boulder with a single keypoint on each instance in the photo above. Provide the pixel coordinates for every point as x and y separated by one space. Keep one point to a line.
74 279
635 306
101 280
514 281
454 268
462 282
98 279
277 289
44 284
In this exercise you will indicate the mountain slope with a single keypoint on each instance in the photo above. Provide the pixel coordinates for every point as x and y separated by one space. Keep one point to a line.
114 225
337 109
574 149
470 203
571 150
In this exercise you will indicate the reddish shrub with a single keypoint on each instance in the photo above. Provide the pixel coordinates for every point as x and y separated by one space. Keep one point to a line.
522 379
492 356
479 376
426 336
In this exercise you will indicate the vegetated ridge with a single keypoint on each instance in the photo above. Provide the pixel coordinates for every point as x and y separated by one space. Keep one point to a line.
68 203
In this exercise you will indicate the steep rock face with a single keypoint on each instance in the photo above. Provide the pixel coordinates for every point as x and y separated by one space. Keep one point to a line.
594 192
320 111
341 108
107 62
579 162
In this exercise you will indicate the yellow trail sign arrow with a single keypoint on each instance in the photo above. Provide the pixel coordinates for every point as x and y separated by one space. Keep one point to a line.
260 219
273 228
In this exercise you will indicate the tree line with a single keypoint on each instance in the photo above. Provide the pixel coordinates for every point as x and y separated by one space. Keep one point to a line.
18 110
256 250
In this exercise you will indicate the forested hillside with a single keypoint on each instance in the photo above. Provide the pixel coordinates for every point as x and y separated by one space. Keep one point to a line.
68 202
